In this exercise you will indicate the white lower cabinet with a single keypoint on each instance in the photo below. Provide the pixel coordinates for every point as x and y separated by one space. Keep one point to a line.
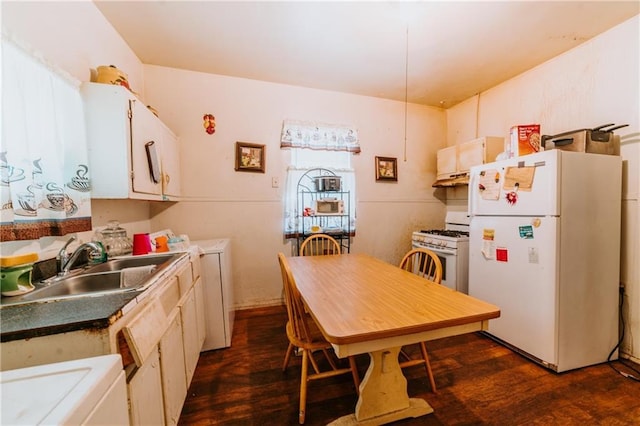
174 382
145 393
202 332
158 338
190 336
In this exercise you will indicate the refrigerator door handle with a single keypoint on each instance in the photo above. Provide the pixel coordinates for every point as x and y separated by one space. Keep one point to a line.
472 193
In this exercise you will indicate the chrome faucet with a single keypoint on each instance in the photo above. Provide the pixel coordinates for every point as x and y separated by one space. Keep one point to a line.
65 261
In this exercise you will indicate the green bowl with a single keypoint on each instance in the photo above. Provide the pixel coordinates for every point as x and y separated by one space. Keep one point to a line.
16 280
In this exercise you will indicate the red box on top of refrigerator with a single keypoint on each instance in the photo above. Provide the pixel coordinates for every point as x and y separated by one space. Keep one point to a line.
523 140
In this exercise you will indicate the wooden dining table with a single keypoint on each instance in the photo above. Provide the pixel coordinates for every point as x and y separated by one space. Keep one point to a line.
365 305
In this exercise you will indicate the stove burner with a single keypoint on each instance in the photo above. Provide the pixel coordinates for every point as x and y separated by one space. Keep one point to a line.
446 233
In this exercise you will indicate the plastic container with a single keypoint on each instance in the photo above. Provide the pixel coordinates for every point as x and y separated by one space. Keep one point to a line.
141 244
15 274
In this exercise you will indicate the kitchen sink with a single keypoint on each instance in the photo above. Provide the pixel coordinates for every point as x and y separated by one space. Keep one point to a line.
161 260
113 276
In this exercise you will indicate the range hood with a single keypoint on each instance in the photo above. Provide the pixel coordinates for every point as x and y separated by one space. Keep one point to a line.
453 180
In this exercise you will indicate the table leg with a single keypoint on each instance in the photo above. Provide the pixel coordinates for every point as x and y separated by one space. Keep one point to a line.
383 394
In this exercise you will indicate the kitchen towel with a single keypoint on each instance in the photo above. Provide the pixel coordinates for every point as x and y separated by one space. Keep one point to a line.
135 276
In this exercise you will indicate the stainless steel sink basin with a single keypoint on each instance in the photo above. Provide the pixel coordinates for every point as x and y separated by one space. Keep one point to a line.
161 260
116 275
79 284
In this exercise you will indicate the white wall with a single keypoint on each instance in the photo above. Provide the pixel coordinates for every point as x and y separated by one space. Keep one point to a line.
596 83
72 34
220 202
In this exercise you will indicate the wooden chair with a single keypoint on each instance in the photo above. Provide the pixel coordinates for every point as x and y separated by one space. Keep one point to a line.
426 264
423 262
303 333
319 244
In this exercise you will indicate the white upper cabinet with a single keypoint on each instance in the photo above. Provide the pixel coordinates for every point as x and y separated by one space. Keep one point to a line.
479 151
454 162
447 162
132 154
170 165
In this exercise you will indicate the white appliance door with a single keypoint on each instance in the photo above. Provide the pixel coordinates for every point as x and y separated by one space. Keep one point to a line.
493 189
512 264
213 302
449 268
215 259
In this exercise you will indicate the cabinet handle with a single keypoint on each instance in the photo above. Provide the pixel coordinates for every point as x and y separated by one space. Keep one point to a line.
167 178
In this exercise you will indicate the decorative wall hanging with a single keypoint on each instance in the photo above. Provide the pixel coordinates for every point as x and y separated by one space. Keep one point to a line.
250 157
386 168
209 123
320 136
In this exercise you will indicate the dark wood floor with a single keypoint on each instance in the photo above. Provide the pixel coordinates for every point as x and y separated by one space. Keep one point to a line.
479 382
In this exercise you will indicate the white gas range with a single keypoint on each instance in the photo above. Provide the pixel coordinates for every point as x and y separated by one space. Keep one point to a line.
451 244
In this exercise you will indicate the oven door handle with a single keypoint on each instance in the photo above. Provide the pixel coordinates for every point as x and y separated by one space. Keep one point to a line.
438 250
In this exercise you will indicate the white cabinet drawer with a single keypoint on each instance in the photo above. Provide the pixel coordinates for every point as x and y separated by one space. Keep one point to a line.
185 279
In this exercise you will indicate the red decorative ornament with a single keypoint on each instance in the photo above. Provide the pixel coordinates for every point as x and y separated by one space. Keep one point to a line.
512 197
209 123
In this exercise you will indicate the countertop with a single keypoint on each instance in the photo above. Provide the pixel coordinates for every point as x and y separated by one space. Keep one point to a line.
61 316
83 313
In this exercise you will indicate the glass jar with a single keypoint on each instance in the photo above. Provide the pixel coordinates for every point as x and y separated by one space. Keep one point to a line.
115 240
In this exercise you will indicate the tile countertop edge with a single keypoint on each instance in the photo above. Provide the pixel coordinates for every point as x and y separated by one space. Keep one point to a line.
31 320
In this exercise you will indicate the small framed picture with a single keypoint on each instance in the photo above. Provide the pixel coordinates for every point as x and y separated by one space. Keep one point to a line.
386 168
250 157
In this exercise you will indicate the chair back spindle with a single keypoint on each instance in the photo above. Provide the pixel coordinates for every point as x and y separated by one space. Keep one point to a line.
319 245
423 262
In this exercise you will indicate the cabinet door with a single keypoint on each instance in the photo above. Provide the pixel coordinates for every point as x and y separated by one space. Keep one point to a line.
106 112
446 162
174 382
202 331
145 393
190 334
470 154
146 150
170 165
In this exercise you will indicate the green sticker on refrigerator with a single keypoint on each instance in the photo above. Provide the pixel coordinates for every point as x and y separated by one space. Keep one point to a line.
526 232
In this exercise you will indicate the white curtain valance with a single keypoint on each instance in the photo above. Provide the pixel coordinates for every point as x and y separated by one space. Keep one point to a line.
319 136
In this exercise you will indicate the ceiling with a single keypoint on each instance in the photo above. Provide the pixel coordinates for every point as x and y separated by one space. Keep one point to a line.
436 53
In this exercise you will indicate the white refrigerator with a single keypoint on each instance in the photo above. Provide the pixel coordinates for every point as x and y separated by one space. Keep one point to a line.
544 246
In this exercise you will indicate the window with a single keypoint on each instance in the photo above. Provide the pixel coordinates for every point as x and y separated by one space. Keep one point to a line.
43 156
318 145
304 160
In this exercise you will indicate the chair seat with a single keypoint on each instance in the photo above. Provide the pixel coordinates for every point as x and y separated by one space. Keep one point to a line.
317 339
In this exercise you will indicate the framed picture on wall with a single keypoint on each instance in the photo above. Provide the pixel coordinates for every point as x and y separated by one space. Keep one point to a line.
386 169
250 157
